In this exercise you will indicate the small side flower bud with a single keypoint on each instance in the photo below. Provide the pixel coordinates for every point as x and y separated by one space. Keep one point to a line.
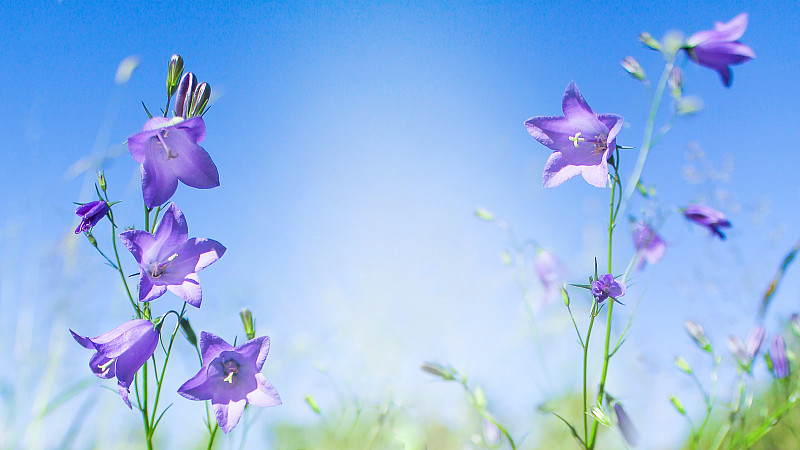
484 214
689 105
200 100
480 397
91 238
174 71
601 417
676 402
648 40
101 179
248 323
675 81
698 335
312 404
437 370
564 295
188 332
633 68
183 98
683 365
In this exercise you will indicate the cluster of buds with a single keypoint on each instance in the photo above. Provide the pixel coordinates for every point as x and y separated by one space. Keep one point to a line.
191 98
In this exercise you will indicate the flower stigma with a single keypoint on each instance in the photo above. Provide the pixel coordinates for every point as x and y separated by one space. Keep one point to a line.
104 367
160 268
575 139
232 368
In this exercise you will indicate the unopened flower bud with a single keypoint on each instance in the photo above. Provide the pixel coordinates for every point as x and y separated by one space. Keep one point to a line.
683 365
183 98
491 434
626 425
91 238
689 105
248 323
633 68
564 295
437 370
480 397
484 214
174 71
200 100
101 178
675 81
649 41
188 332
676 402
312 403
601 416
698 335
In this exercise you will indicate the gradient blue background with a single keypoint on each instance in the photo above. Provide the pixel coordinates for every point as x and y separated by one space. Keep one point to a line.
354 142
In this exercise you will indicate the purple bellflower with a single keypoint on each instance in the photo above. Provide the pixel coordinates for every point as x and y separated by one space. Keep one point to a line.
626 425
168 150
777 353
550 272
745 352
90 214
649 245
606 287
719 48
707 217
121 352
169 260
583 141
231 378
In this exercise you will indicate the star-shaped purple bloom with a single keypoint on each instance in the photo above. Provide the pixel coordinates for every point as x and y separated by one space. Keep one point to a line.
121 352
707 217
606 287
582 140
231 378
719 48
169 150
90 214
649 245
169 260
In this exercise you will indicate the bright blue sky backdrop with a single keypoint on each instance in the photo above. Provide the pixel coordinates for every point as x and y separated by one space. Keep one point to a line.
353 144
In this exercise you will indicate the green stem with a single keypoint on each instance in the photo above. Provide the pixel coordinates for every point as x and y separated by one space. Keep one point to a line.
585 361
119 263
606 354
160 379
148 434
211 438
648 132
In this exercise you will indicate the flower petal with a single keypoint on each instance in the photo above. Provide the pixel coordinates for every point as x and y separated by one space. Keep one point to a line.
189 290
228 414
558 170
134 357
211 346
199 387
124 391
171 232
255 351
596 175
266 395
117 341
158 181
148 291
138 242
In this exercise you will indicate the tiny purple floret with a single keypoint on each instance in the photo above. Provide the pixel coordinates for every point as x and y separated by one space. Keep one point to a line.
168 151
777 353
649 245
707 217
550 272
169 260
231 378
90 214
719 48
121 352
582 141
606 287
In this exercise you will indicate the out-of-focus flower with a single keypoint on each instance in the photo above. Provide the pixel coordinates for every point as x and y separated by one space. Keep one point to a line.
491 434
745 352
168 150
582 140
550 272
90 214
649 245
648 40
719 48
231 378
707 217
777 354
675 82
437 370
121 352
169 260
606 287
697 334
632 66
626 425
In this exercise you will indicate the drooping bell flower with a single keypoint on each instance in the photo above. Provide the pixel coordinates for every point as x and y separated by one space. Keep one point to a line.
90 214
606 287
582 141
719 48
169 151
121 352
777 354
648 244
231 378
169 259
707 217
550 272
625 425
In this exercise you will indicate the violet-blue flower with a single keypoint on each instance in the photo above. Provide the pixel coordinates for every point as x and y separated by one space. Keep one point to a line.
231 378
649 245
707 217
169 260
121 352
719 48
169 150
90 214
626 425
606 287
582 140
777 354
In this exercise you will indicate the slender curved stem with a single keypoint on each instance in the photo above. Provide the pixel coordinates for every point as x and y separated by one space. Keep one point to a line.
585 361
166 360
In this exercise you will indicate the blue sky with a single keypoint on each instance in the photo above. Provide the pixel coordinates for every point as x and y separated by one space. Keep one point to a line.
354 142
